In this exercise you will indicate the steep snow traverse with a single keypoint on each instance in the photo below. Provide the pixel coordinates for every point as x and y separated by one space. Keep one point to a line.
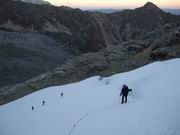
93 106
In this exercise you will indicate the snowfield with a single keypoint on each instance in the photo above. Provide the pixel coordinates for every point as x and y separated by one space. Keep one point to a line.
92 106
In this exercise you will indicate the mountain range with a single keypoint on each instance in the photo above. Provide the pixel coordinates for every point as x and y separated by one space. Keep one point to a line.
172 11
45 45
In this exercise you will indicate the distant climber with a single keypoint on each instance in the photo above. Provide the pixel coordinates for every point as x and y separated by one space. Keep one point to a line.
62 94
43 102
32 108
124 92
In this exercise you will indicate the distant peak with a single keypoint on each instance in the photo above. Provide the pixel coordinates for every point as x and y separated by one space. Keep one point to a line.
150 5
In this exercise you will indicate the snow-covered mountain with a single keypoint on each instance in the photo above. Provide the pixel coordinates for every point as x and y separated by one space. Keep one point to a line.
35 1
92 106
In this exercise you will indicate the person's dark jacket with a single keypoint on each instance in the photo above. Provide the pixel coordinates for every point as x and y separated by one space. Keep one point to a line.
125 90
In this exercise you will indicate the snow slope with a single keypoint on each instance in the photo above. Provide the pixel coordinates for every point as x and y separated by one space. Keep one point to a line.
91 107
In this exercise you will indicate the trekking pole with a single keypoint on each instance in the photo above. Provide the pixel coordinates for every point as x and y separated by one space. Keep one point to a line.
133 95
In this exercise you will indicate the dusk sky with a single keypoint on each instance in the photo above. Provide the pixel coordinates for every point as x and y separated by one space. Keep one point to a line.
114 3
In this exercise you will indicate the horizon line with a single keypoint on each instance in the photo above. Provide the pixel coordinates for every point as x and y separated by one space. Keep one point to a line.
117 6
94 7
114 8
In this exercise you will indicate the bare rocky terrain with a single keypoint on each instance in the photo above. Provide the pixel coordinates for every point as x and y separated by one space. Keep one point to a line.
25 55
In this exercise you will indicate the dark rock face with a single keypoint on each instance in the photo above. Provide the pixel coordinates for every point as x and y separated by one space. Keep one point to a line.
168 45
24 56
78 29
38 38
83 31
134 24
42 37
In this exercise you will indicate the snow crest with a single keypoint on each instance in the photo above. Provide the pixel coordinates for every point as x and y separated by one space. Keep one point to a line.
92 106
